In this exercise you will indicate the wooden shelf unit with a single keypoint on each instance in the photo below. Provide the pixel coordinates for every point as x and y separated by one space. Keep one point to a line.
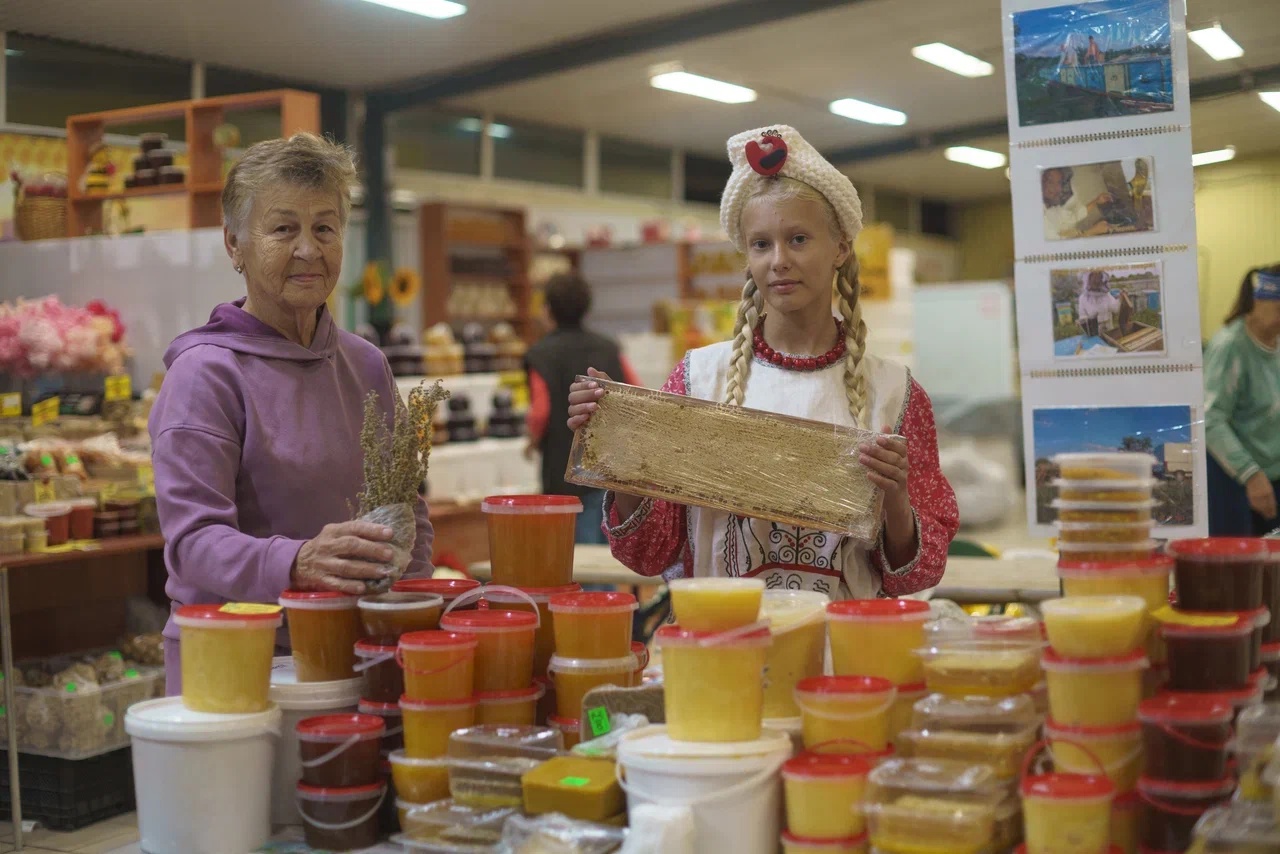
299 111
446 229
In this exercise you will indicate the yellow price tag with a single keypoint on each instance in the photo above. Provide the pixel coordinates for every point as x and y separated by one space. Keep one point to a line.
108 491
1170 616
45 412
249 609
146 476
119 387
11 405
44 491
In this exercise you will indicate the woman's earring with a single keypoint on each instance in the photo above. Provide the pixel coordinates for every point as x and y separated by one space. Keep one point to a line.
239 268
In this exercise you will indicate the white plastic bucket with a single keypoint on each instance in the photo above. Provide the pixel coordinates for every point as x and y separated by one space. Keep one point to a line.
297 701
203 781
732 789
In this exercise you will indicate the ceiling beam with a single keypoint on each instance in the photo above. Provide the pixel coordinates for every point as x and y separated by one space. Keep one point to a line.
1204 89
640 37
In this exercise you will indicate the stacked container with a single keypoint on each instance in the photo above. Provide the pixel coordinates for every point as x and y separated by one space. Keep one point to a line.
880 638
592 642
1104 506
797 619
342 787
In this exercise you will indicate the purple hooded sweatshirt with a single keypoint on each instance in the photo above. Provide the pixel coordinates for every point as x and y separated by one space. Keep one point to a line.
256 447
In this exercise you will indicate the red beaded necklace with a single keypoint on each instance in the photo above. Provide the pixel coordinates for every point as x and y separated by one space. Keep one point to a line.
799 363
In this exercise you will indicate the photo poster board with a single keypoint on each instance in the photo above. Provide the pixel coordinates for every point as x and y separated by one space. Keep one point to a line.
1106 272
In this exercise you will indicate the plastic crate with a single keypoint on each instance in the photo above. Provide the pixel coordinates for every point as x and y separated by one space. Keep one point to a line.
68 794
80 722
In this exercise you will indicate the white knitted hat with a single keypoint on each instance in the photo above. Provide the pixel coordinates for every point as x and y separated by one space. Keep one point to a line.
765 153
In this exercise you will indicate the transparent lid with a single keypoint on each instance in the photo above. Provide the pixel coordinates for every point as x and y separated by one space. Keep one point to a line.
1240 823
449 821
1257 729
945 778
997 628
975 714
492 740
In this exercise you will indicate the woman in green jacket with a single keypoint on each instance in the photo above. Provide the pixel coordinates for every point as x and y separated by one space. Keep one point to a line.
1242 410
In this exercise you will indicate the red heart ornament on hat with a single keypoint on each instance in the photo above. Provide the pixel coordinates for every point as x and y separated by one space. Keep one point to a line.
767 162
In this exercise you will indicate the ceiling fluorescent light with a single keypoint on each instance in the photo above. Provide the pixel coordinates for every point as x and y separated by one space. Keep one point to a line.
1271 99
676 79
979 157
1215 42
956 61
474 125
426 8
1222 155
861 111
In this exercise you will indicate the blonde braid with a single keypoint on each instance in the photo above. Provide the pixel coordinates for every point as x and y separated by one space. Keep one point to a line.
855 337
735 389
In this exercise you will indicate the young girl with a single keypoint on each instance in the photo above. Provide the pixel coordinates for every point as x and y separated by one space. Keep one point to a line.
795 217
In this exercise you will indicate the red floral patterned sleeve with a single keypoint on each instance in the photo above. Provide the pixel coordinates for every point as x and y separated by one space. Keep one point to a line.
932 500
656 537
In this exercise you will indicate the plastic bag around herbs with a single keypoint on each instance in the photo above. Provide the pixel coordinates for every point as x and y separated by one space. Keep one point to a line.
557 834
751 463
400 518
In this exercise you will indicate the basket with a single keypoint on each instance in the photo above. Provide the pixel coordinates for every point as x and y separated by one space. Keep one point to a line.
68 794
41 217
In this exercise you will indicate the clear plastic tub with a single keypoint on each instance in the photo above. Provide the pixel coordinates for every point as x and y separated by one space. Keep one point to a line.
509 708
389 615
593 624
1068 813
340 751
1094 692
419 781
1107 552
798 621
852 709
1105 491
574 678
323 631
340 819
1012 631
226 657
1002 751
522 742
716 604
930 806
1095 626
1130 534
1219 573
1113 512
982 668
793 844
428 724
1207 652
1186 736
439 665
714 683
531 538
1238 828
1257 730
448 589
1081 749
505 652
824 794
381 676
450 822
1147 579
877 637
489 783
1105 466
993 715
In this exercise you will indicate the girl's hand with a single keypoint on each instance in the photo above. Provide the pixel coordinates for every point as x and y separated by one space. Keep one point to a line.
1262 497
583 397
888 468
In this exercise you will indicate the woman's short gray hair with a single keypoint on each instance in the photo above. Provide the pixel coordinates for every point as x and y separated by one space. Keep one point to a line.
303 160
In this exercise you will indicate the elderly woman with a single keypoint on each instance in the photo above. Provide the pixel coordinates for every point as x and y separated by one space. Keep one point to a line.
256 430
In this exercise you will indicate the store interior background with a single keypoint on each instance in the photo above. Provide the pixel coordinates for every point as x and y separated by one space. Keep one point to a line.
579 140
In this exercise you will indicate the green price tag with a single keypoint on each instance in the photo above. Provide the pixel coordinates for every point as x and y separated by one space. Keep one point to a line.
598 719
72 459
575 782
46 460
131 674
109 719
3 711
71 689
116 655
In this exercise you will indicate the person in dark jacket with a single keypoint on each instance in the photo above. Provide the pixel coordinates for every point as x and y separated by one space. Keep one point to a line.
553 363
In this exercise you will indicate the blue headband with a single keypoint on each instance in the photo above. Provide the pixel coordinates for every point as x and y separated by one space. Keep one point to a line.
1266 286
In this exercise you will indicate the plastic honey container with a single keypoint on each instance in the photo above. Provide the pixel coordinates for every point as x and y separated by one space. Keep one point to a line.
932 806
383 680
824 794
593 625
323 630
419 781
1094 692
509 708
838 709
340 751
393 738
226 657
1126 832
341 819
1113 512
447 589
439 665
1081 749
798 621
1105 491
716 604
714 683
1219 573
982 668
792 844
1237 828
428 724
1186 736
534 600
1147 579
531 538
1207 652
904 707
1170 810
1000 750
574 678
878 637
1105 466
1095 626
504 654
387 616
943 712
1067 813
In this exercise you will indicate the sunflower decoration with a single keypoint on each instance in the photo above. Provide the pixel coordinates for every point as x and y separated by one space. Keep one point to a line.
371 286
404 287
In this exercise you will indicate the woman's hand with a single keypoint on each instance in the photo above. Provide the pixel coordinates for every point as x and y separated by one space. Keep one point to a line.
583 397
888 467
342 557
1262 496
